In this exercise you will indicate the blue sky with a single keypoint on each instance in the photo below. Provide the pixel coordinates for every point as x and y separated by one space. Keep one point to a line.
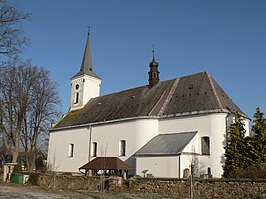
226 38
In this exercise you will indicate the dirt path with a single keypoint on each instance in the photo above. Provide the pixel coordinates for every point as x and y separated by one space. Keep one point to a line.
26 192
13 191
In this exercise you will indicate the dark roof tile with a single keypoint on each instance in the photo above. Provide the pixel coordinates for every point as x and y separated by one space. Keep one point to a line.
166 144
106 163
197 92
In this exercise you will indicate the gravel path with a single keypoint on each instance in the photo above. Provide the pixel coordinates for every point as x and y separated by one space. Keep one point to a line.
23 192
13 191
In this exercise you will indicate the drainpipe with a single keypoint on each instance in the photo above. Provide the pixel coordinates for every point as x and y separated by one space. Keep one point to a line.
179 166
90 134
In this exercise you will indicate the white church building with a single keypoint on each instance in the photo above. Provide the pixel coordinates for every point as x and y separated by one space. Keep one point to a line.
163 128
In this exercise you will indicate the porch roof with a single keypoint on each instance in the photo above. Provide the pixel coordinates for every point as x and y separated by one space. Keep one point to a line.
106 163
166 144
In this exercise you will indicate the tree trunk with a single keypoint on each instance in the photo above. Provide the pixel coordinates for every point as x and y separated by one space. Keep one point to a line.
31 165
14 156
30 160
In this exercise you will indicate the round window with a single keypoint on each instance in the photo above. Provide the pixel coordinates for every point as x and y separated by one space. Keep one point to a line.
77 86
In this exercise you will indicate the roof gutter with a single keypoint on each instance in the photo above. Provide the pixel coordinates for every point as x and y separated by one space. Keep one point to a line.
144 117
201 113
104 122
163 154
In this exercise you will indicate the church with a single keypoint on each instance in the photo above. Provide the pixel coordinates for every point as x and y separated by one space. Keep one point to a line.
162 129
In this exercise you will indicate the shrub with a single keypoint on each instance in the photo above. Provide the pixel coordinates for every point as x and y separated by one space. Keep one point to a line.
33 179
67 174
258 171
130 184
17 168
43 169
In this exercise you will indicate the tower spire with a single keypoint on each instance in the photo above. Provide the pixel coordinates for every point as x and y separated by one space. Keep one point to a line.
85 85
86 67
153 73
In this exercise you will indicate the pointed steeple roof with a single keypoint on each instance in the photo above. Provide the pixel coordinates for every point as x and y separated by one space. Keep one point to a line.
86 65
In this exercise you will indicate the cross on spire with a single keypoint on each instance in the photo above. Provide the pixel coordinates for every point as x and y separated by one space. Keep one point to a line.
153 51
89 29
153 73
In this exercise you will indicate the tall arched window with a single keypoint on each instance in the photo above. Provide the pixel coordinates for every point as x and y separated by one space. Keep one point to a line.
71 150
122 148
94 149
76 98
205 145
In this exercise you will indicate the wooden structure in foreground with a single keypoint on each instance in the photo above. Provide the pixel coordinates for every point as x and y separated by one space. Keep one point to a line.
106 166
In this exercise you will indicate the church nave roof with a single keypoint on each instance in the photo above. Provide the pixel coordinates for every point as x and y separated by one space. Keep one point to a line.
195 93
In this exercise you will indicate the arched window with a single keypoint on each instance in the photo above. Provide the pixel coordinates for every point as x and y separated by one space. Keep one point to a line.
205 146
122 148
76 98
94 149
71 150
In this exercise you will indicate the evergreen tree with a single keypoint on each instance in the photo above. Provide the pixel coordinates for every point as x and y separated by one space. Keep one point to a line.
257 143
235 151
251 151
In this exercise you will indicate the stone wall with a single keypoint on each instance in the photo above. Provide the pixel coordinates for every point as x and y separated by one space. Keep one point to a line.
202 188
66 182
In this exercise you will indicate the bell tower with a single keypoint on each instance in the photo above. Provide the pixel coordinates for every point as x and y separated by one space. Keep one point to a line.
85 84
153 73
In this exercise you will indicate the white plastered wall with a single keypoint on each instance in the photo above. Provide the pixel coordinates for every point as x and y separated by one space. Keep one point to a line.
89 87
59 142
164 166
136 133
190 156
211 125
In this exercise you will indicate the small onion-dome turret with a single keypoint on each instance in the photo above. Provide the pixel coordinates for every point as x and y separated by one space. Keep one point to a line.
153 73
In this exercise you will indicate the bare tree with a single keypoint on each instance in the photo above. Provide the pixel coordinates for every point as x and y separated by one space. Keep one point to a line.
13 102
2 151
12 39
28 102
41 111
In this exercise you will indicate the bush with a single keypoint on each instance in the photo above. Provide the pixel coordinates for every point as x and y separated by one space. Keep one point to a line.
33 179
258 171
67 174
43 169
17 168
130 184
